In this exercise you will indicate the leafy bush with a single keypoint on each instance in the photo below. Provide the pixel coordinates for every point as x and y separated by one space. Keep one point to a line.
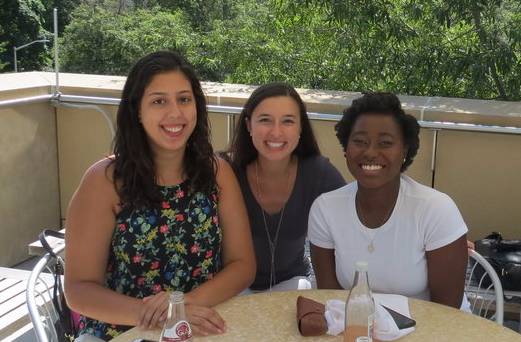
457 48
100 42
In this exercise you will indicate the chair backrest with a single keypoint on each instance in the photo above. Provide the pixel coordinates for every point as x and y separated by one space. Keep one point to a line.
483 288
39 299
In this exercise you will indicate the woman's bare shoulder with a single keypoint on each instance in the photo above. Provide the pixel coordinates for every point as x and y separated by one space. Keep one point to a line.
99 178
101 171
224 171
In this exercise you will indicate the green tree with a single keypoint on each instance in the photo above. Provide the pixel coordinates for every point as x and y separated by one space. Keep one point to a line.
260 46
201 13
2 49
21 23
461 48
99 42
464 48
65 9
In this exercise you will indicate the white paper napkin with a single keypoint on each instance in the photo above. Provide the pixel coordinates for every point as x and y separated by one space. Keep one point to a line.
385 327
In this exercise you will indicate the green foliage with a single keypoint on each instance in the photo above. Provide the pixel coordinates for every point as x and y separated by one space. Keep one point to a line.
263 47
21 23
65 8
458 48
201 13
463 48
99 42
2 49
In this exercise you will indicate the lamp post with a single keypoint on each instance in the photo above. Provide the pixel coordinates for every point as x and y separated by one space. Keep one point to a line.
16 48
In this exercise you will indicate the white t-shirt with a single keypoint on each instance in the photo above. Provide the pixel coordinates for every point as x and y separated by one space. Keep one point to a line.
423 219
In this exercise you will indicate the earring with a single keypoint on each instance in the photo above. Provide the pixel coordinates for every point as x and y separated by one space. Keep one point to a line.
404 159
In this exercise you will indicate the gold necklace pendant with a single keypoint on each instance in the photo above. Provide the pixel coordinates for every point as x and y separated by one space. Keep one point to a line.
370 247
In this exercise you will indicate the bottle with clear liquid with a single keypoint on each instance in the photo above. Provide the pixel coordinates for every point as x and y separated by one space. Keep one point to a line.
176 328
360 309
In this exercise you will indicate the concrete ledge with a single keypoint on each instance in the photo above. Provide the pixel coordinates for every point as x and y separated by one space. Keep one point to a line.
483 112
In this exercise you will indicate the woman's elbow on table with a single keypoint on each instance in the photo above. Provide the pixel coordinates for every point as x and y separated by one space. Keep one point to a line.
245 269
250 272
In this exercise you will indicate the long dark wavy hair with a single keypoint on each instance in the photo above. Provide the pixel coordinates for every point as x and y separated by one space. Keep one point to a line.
135 177
242 151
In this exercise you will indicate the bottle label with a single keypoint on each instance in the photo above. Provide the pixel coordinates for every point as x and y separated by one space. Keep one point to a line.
181 331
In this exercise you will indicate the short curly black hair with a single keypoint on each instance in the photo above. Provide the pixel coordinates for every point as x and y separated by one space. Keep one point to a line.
384 104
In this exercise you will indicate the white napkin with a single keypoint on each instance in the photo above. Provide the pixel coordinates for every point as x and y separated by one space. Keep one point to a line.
385 327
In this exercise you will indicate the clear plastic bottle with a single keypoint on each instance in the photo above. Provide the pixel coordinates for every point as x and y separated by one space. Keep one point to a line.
360 309
176 328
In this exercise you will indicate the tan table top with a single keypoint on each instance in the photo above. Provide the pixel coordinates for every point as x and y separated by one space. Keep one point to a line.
272 317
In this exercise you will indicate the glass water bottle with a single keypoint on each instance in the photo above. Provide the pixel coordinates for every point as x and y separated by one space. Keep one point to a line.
360 309
176 328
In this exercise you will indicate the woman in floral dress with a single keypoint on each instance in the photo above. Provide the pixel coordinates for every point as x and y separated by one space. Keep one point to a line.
161 214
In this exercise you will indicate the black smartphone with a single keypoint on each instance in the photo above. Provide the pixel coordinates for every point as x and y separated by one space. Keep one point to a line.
403 322
142 340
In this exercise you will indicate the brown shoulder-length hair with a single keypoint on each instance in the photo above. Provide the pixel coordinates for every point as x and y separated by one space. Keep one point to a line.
242 151
135 176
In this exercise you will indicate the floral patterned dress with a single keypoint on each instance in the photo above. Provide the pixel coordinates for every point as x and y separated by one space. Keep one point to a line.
176 246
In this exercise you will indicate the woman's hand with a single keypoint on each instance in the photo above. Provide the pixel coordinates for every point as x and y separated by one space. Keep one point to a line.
470 245
154 311
204 321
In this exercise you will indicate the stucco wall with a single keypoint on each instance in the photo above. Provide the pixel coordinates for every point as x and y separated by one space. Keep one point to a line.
46 151
29 190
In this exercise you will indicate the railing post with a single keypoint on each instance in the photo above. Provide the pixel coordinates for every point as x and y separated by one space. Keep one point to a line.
433 156
230 130
14 58
56 62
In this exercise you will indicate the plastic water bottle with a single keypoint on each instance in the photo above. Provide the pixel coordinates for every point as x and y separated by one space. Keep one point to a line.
360 309
176 328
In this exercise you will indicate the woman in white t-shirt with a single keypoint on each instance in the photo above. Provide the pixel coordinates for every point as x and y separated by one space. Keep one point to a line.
412 236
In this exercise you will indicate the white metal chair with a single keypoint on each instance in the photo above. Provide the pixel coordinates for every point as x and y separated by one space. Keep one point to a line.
39 299
483 288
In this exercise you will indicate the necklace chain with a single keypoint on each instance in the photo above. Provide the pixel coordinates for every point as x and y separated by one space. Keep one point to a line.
271 243
370 246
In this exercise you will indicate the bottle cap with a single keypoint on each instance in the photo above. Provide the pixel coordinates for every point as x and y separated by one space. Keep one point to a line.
362 339
361 265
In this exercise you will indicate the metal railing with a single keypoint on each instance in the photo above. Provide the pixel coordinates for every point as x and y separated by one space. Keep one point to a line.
231 112
26 101
234 111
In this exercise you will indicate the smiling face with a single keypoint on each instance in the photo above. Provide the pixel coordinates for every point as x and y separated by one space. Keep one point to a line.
275 127
375 150
168 112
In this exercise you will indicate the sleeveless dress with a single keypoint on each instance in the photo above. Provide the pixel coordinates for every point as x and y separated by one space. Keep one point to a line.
174 246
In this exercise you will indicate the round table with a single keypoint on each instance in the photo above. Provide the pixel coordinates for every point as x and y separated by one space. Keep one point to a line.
272 317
